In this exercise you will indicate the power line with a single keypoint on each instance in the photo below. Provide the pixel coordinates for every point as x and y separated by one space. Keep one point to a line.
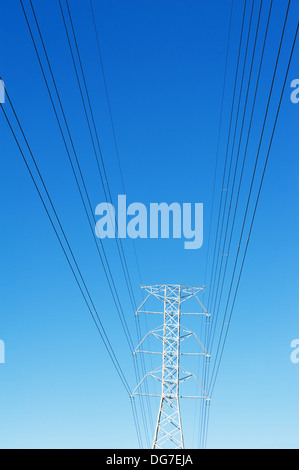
122 318
254 172
86 295
118 243
138 329
236 165
206 371
112 121
228 139
212 385
107 270
244 158
107 95
206 420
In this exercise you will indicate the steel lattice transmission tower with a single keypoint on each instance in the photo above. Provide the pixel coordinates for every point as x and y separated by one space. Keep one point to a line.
168 432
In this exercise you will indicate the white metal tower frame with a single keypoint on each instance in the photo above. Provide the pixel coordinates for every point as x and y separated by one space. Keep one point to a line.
168 432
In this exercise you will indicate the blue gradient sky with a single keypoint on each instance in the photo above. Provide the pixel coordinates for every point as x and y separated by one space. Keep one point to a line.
164 64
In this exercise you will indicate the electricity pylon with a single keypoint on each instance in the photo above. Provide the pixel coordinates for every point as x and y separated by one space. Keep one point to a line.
168 431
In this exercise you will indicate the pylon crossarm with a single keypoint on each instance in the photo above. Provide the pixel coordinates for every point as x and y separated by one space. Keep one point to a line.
153 290
188 292
196 313
146 395
201 304
149 374
138 310
156 335
151 312
147 352
193 396
193 354
183 379
183 337
190 374
191 333
186 297
152 332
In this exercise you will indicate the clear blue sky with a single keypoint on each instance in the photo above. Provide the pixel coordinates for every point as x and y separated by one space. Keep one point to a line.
164 63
